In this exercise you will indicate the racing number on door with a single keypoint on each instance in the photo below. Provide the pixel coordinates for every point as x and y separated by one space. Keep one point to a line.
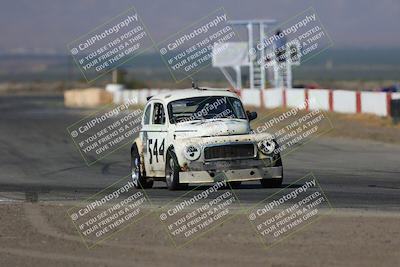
154 151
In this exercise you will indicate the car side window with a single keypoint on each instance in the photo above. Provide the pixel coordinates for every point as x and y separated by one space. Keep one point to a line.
146 119
158 114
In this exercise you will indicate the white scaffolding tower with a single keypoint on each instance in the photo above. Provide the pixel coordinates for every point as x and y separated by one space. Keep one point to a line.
280 73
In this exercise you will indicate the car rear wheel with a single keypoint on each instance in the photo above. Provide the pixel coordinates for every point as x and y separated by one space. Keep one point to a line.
139 178
172 173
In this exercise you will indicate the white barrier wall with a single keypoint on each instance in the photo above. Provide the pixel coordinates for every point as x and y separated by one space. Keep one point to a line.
272 98
143 94
344 101
295 97
154 92
374 103
114 87
162 91
251 97
118 97
395 95
126 95
318 99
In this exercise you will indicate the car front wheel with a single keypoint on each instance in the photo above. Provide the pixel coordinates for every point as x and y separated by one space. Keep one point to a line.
275 182
172 173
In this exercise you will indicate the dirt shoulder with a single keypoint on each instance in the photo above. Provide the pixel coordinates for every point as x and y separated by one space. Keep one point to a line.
42 235
355 126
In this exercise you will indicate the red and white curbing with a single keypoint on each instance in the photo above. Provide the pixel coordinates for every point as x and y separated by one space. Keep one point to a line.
342 101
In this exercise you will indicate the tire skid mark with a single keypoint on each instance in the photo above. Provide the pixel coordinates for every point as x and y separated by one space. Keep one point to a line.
39 222
42 226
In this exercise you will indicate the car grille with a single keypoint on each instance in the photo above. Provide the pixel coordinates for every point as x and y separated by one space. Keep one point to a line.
234 151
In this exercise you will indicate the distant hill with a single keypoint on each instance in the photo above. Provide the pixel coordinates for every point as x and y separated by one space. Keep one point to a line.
333 64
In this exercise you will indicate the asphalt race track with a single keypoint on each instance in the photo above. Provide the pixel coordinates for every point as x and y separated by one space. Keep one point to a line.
38 157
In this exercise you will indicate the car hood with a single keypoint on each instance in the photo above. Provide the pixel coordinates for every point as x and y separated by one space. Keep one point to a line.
215 127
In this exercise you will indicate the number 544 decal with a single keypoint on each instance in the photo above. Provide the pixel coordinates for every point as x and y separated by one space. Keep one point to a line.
154 150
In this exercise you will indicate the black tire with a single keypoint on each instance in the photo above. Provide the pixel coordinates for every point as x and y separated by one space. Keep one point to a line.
235 184
138 176
172 172
271 183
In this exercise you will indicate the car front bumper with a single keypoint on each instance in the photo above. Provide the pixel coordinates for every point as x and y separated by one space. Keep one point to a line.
242 174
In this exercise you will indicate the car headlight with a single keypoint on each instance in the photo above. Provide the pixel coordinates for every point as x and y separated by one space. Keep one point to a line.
192 152
266 147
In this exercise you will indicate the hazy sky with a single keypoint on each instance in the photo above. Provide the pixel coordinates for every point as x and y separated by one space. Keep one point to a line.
51 24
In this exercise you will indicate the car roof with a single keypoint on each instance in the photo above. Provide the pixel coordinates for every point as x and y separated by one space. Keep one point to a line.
188 93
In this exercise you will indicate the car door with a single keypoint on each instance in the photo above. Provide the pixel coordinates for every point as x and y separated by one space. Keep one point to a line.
146 127
156 134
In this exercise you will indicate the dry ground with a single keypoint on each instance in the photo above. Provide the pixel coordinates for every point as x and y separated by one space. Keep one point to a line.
42 235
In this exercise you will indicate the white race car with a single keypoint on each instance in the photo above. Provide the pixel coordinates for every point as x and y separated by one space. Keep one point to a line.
198 136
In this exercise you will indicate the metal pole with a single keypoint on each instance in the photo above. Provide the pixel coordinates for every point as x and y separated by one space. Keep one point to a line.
288 74
262 69
115 76
250 32
228 77
238 77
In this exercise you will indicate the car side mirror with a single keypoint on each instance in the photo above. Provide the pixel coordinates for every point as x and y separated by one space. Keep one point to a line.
251 115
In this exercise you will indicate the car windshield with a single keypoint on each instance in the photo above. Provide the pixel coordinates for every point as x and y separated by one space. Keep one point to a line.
204 108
